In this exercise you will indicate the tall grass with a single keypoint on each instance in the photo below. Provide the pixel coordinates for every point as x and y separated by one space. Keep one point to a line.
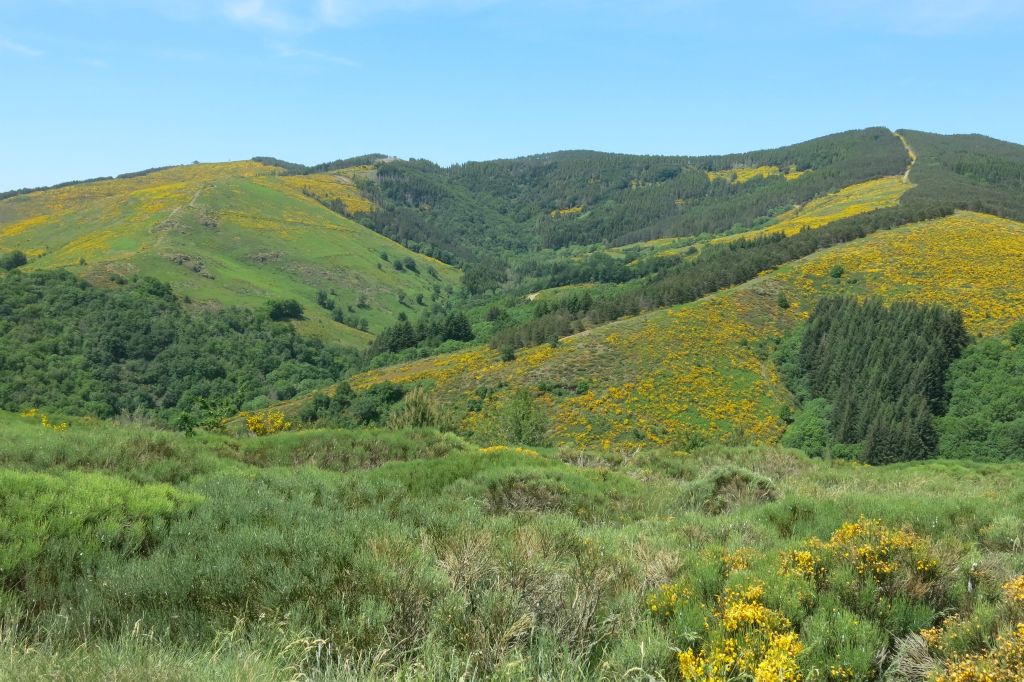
410 554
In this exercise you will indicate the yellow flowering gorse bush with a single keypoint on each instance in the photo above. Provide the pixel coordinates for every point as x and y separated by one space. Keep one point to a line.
517 450
1003 663
668 598
871 547
738 560
1014 590
265 423
745 640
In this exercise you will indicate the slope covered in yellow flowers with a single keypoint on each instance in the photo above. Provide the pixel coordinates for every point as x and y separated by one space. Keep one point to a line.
741 174
229 234
849 201
701 371
334 186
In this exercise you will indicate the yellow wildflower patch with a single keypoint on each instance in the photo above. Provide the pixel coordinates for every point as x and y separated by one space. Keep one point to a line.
330 187
563 212
872 548
44 420
745 640
742 174
1014 590
667 599
969 261
847 202
1003 663
738 560
516 450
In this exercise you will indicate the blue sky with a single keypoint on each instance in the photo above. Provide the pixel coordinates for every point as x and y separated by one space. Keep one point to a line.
101 87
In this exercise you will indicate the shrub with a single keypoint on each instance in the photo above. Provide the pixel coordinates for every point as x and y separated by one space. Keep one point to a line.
372 405
518 419
418 409
265 423
55 529
324 300
725 487
811 430
12 260
746 640
284 309
1016 334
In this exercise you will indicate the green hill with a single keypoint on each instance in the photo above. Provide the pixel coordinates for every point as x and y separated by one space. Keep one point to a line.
581 197
232 234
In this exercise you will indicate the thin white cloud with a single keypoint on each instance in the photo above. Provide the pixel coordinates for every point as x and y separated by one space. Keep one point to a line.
289 52
263 13
348 12
17 48
293 15
924 17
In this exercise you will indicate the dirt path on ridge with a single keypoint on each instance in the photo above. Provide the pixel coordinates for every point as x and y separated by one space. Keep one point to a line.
911 154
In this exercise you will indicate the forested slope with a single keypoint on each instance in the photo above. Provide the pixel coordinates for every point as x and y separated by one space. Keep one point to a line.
581 197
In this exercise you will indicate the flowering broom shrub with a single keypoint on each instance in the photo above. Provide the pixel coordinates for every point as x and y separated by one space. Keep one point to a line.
744 640
265 423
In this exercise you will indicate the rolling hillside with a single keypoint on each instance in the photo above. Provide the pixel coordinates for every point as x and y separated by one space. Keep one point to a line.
481 209
234 234
699 372
240 234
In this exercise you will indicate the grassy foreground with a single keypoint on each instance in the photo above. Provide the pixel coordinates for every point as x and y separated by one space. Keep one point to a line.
129 553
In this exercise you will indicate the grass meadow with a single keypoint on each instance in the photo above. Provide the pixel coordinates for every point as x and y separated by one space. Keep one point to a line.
130 553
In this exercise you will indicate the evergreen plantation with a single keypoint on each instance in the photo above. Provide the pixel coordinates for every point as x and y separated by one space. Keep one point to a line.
756 416
879 373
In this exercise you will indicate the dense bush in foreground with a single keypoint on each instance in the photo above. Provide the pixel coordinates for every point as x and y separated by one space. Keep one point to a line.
379 554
